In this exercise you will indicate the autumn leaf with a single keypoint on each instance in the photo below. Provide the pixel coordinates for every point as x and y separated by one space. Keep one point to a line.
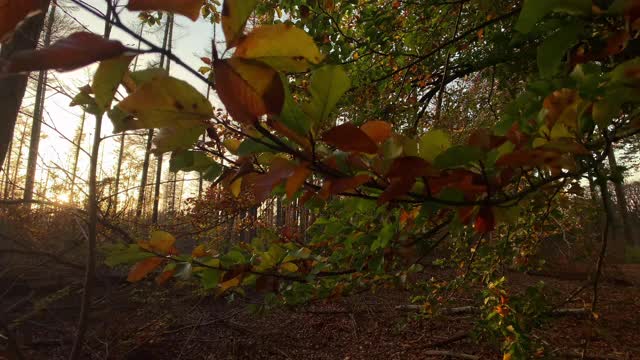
143 268
199 251
165 276
226 285
485 221
296 180
285 47
234 17
165 102
348 137
161 241
188 8
107 79
289 267
398 187
248 89
13 12
342 185
378 131
75 51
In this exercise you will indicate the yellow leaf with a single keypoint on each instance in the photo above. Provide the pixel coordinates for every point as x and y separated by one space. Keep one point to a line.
234 18
230 283
232 145
161 241
506 356
199 251
285 47
289 267
107 79
165 102
144 267
235 187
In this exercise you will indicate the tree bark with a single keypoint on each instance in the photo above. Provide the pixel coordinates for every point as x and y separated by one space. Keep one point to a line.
145 172
74 173
23 137
116 186
622 203
7 170
38 111
13 87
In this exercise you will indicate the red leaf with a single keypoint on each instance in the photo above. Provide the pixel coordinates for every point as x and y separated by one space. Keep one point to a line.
263 184
399 186
77 50
378 131
188 8
485 221
348 137
13 12
342 185
206 60
296 180
411 167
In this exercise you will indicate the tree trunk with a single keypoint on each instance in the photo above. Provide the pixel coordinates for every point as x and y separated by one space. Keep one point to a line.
38 110
616 247
145 172
76 157
7 170
168 33
116 186
13 87
16 171
622 203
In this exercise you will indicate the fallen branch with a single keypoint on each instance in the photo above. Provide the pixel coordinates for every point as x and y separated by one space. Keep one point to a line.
474 309
450 354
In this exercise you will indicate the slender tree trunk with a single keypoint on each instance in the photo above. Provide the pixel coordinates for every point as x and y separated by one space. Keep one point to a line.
13 87
38 110
443 84
7 171
16 171
143 178
622 203
116 186
616 248
85 304
156 196
76 157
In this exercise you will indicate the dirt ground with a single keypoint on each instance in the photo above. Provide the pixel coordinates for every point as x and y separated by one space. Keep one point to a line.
144 321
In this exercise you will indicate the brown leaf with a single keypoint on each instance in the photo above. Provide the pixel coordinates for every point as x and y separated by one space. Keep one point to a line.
411 167
75 51
347 137
341 185
399 186
164 276
378 131
143 268
13 12
248 89
262 184
188 8
295 181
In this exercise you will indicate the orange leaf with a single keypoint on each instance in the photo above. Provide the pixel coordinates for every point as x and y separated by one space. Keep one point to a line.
348 137
75 51
164 277
199 251
295 181
262 184
248 89
378 131
13 12
188 8
342 185
143 268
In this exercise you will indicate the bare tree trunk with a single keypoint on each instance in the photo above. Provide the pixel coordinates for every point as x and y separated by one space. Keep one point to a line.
92 237
616 248
7 170
443 84
38 110
16 171
622 203
13 87
76 157
116 186
145 172
156 196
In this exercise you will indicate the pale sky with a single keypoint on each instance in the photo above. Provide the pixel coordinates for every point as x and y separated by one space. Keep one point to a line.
190 42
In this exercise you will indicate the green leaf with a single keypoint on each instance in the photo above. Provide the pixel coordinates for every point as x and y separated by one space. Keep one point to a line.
328 84
292 115
183 271
534 10
213 172
459 155
433 143
87 102
125 255
210 278
384 237
107 79
250 147
170 139
189 161
554 48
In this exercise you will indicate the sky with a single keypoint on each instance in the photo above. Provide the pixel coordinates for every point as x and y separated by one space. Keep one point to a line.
191 41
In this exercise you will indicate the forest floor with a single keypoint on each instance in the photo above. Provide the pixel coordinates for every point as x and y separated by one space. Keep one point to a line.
144 321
